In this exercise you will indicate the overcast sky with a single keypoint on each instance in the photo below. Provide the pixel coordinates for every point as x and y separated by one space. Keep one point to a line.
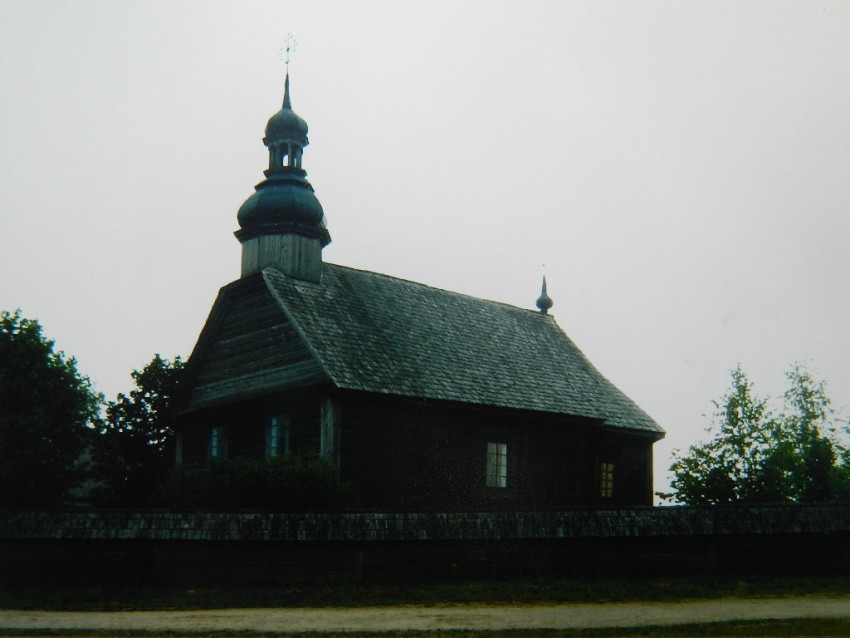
681 169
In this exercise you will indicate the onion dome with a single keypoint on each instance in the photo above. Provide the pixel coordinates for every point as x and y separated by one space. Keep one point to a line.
286 124
283 203
544 302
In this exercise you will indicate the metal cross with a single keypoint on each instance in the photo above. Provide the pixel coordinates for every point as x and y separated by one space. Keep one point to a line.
291 44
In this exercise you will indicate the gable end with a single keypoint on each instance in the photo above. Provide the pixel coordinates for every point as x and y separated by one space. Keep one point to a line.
248 348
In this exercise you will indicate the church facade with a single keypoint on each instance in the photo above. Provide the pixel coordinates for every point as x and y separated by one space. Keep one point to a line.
424 399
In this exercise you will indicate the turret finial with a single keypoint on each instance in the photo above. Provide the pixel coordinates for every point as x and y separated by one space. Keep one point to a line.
544 302
290 45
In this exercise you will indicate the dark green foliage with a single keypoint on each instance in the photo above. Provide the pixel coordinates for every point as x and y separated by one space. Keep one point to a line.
46 412
757 456
131 455
282 484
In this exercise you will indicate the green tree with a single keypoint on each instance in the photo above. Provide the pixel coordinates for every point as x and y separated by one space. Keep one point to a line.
131 453
757 456
806 452
47 411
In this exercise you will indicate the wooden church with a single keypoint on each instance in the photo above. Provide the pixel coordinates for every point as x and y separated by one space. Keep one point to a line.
422 398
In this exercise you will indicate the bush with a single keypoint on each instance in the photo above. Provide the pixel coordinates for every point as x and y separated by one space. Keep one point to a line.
130 451
282 484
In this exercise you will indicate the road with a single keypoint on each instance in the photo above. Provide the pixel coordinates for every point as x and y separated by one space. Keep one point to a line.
418 618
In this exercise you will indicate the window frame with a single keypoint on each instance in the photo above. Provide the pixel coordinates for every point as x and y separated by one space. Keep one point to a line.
277 435
217 443
606 479
496 465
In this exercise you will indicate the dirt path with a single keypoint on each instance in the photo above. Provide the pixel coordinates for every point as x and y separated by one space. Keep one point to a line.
407 618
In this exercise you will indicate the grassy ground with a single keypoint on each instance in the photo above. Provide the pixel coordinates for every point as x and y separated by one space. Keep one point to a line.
763 629
526 591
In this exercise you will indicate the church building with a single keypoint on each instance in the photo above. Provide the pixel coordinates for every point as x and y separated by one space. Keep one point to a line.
424 399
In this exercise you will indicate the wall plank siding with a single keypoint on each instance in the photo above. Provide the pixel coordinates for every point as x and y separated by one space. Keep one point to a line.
255 350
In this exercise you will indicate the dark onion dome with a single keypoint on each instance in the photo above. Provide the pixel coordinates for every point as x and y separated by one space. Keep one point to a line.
286 124
284 202
544 302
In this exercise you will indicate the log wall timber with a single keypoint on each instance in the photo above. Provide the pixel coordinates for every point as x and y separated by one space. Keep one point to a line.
425 456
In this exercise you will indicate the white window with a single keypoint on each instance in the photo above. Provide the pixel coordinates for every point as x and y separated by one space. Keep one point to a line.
217 449
497 465
606 480
277 436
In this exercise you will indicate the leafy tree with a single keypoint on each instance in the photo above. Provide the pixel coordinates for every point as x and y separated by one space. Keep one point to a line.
131 454
757 456
806 450
47 410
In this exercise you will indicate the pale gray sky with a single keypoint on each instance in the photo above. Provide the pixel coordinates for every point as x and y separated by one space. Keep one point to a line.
681 168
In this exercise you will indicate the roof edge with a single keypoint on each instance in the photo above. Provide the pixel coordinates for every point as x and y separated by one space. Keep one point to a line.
299 331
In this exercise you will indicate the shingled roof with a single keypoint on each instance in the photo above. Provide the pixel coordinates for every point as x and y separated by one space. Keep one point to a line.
375 333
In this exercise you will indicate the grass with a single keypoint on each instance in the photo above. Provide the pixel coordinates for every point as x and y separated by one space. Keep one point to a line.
756 629
524 591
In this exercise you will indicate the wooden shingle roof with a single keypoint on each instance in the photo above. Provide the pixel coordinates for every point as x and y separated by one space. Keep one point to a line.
375 333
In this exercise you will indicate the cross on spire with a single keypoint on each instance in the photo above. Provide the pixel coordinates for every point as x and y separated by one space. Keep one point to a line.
290 44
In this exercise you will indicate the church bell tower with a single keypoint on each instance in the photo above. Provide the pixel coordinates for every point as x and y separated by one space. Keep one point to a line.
282 224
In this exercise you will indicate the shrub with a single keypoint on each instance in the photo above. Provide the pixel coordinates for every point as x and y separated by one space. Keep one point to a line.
282 484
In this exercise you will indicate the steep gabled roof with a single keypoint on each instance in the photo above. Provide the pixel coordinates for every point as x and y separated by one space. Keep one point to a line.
247 348
376 333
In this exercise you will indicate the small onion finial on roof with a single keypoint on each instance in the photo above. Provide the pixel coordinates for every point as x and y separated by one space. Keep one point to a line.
544 302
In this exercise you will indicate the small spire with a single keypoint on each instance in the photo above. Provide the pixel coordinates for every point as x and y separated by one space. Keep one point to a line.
543 301
290 44
287 104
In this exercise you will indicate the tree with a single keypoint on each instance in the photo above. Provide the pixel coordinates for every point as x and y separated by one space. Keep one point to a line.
758 456
806 451
131 452
47 411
